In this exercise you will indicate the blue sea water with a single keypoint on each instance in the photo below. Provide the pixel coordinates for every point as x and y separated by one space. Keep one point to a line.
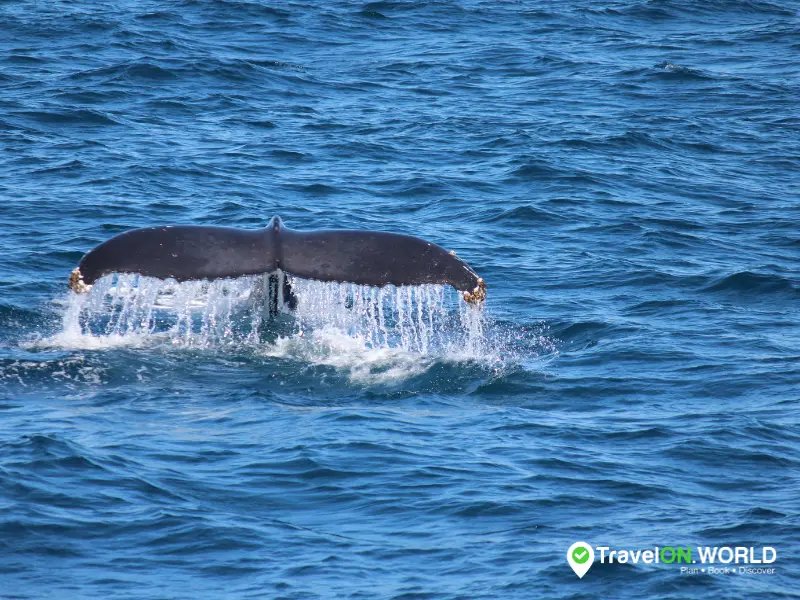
625 176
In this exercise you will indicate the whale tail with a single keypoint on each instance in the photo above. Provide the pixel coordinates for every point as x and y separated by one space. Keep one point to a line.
200 252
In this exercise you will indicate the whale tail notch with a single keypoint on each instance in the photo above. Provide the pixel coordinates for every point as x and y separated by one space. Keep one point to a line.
191 252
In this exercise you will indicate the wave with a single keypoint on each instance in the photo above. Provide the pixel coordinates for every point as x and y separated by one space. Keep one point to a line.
535 170
748 281
68 117
523 216
136 71
674 71
660 10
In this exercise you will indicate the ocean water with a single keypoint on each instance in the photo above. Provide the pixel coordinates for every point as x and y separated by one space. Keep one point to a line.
625 176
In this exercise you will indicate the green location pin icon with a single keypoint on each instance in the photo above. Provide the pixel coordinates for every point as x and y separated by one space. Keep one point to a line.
580 557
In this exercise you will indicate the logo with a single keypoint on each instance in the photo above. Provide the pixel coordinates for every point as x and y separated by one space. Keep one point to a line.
714 560
580 557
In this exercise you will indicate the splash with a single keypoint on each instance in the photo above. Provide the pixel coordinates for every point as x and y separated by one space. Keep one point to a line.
330 320
131 310
425 319
371 335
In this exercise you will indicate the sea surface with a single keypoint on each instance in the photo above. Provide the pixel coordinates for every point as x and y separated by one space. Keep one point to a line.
625 175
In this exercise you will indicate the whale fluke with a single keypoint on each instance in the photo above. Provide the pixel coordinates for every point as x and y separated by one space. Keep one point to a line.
189 252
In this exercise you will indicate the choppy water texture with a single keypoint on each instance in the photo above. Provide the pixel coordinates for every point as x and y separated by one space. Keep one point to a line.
624 174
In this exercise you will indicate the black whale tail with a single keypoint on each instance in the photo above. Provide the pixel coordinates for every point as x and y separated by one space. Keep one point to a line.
198 252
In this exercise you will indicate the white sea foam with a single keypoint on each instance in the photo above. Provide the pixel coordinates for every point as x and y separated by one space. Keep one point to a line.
330 346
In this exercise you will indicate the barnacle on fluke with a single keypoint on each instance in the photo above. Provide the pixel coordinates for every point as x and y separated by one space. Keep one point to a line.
478 294
76 283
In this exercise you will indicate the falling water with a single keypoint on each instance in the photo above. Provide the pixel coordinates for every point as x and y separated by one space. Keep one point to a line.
427 320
